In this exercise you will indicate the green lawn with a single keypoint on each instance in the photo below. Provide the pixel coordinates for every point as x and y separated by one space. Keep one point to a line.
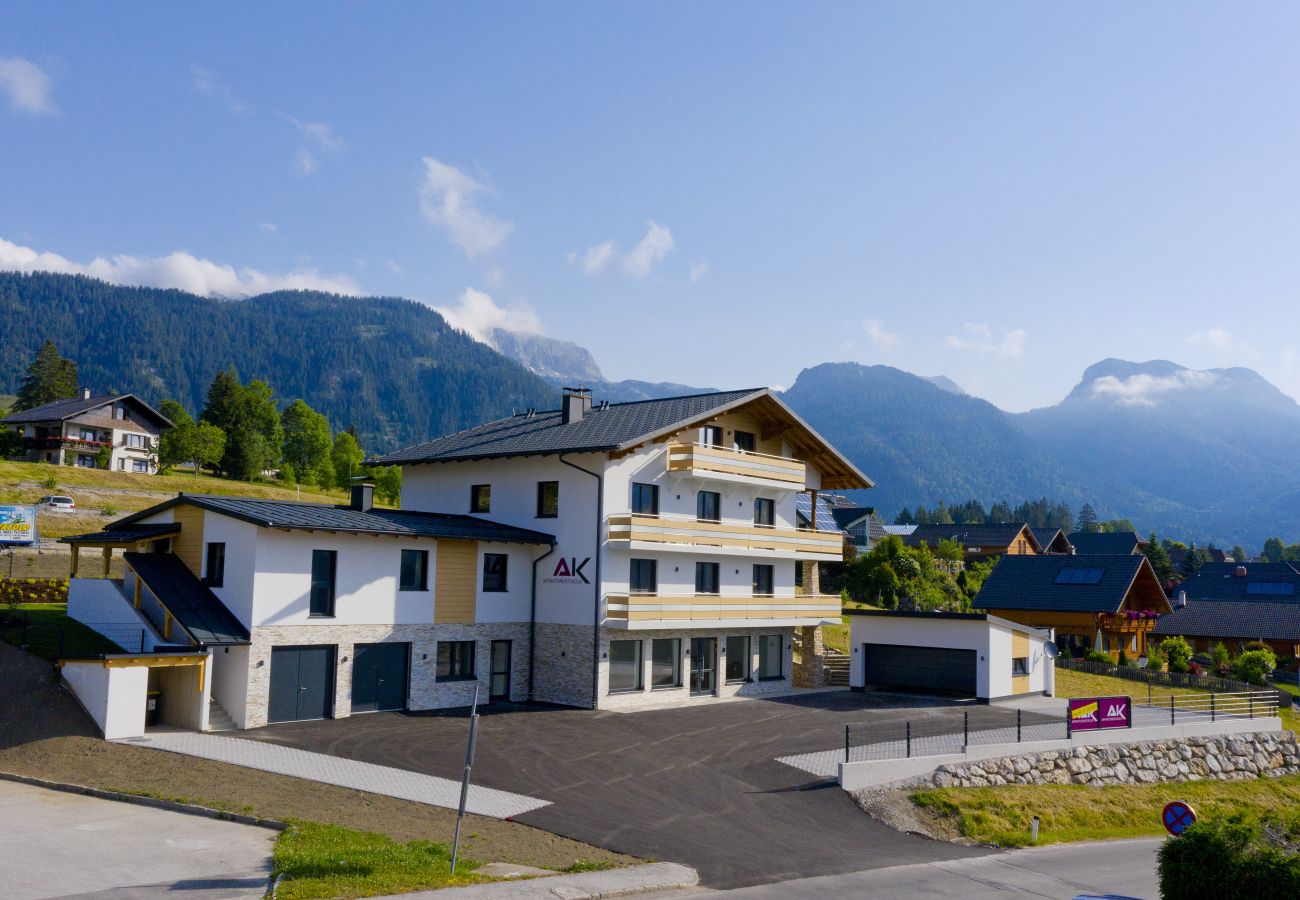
50 634
318 860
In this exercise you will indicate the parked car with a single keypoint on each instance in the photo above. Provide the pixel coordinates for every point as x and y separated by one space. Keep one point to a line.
57 501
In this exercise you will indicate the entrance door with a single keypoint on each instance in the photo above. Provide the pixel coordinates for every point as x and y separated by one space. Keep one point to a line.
704 656
379 676
302 683
499 684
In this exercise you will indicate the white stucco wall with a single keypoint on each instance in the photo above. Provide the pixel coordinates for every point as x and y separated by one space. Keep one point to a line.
114 697
230 681
98 604
242 540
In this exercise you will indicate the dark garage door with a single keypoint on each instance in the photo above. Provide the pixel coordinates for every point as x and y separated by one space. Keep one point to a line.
379 676
302 683
925 668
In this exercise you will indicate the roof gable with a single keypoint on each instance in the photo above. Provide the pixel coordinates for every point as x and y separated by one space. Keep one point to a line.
1105 542
61 410
1058 583
995 534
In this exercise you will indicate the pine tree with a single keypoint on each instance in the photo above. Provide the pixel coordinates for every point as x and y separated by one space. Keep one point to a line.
904 517
1088 519
50 377
1238 553
1158 556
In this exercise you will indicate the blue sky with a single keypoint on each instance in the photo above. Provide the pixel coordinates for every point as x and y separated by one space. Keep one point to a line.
716 194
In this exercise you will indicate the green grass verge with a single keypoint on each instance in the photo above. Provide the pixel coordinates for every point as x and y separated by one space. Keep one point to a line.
319 860
51 634
1084 684
1002 815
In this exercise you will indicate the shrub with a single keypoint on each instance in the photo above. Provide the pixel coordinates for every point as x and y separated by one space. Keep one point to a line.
1253 665
1256 645
1098 656
1155 658
1123 657
50 482
1221 657
1230 859
1178 652
1195 669
33 590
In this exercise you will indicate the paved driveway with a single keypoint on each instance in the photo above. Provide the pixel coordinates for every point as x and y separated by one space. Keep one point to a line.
697 785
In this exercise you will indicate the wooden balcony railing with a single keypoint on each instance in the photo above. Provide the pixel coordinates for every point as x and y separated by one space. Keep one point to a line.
641 609
723 463
691 534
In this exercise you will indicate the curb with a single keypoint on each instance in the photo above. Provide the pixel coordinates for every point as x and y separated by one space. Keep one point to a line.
170 805
624 882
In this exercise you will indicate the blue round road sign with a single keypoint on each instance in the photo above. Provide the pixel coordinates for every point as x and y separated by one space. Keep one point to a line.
1178 817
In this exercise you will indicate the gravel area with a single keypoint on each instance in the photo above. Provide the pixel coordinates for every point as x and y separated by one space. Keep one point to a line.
895 808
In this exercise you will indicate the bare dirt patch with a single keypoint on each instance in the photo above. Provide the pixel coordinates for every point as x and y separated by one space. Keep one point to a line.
44 733
896 809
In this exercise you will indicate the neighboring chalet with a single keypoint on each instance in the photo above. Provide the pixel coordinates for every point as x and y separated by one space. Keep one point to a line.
1052 540
1234 605
860 525
73 432
979 541
1106 543
1106 603
1178 556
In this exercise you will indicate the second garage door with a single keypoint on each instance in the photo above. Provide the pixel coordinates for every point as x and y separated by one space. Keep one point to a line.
923 668
302 683
379 676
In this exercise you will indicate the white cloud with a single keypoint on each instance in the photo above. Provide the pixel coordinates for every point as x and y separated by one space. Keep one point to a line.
979 336
477 314
268 227
179 270
393 267
598 258
208 83
305 162
1143 389
447 201
319 138
649 250
698 271
875 330
1213 337
495 277
27 85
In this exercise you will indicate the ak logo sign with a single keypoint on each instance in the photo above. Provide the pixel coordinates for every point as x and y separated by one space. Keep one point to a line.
568 570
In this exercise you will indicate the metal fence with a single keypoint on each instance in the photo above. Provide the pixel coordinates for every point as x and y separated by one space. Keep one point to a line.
1185 708
1151 676
939 734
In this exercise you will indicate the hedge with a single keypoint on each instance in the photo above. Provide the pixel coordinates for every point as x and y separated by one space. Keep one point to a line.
1232 860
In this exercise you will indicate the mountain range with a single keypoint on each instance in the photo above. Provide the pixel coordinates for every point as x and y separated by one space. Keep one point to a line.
1206 455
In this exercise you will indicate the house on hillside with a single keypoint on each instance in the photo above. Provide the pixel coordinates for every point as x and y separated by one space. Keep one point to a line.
1106 603
979 541
1178 557
1052 540
1237 604
73 432
1106 543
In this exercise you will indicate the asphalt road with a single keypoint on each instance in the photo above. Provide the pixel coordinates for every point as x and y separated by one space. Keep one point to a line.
57 844
697 785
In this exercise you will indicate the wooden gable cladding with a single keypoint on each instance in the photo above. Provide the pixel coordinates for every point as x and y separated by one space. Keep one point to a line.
455 582
1145 592
188 545
1019 645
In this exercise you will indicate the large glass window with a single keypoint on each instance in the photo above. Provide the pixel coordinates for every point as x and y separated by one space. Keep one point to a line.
480 498
711 435
324 565
136 441
548 499
415 571
769 657
645 499
643 577
665 662
764 511
762 580
624 666
745 441
708 506
215 570
455 661
494 572
706 577
738 661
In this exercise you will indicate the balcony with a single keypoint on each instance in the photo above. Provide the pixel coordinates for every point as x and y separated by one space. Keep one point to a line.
724 464
633 611
1127 623
725 538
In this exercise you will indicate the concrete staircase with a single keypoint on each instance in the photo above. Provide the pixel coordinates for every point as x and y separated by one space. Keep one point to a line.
218 718
837 668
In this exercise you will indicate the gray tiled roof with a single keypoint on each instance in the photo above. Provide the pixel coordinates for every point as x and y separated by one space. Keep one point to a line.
192 602
988 535
1045 536
599 429
1029 582
1245 619
128 534
75 406
323 517
1219 582
1091 543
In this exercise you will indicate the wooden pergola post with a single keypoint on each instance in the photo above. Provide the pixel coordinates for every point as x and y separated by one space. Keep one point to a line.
108 559
76 555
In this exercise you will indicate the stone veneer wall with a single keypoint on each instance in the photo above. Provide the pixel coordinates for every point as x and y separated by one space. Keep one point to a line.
424 691
648 696
563 665
1228 758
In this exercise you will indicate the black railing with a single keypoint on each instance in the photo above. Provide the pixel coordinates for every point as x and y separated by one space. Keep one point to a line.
1151 676
940 734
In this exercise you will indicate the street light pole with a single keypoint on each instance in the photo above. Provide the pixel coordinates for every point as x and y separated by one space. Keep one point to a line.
464 782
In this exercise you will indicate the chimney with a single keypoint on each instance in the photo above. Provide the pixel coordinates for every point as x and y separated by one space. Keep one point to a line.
85 393
1182 599
575 402
1240 571
363 495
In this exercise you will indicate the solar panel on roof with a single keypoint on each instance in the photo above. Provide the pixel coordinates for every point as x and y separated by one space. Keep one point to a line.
1273 588
1077 575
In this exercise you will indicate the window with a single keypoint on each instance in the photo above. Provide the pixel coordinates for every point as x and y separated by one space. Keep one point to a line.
1273 588
711 435
645 499
139 465
762 580
624 666
764 511
665 663
216 565
745 441
494 572
738 657
548 499
706 578
769 657
455 661
643 578
119 412
415 571
136 442
87 435
1020 665
324 564
480 498
1079 576
708 506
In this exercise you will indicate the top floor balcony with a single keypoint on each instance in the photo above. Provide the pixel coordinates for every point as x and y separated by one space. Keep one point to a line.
744 466
666 532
